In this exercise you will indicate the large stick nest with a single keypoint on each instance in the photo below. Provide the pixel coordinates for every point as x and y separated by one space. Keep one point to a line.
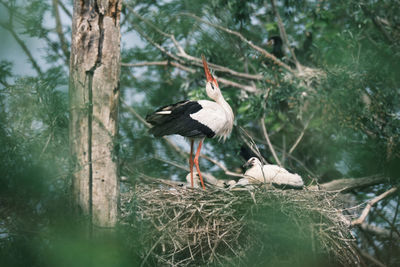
183 226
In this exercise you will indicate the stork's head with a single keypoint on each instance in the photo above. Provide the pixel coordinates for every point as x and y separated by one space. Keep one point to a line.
253 161
212 87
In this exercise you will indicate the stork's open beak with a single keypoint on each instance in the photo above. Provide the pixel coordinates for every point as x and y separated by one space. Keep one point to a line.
209 77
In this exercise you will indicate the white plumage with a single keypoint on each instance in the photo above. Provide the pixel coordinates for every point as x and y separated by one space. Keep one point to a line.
272 174
217 116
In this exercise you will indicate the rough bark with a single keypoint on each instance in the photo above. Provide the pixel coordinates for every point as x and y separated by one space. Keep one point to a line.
94 94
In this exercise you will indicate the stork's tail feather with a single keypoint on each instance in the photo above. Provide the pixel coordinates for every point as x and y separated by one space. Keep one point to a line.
164 114
157 118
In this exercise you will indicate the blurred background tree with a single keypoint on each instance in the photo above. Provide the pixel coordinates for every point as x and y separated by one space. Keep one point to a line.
329 103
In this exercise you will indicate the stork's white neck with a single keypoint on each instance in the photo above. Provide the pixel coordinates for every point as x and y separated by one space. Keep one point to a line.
220 100
228 112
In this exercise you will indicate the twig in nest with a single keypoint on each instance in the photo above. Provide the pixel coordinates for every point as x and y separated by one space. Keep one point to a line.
217 226
245 136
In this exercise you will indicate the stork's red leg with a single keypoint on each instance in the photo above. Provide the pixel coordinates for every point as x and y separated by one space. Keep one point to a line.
196 162
191 162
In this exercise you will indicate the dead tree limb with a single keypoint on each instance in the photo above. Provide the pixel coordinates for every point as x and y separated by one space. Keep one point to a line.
61 37
271 147
264 52
65 9
371 203
194 60
227 82
301 135
349 183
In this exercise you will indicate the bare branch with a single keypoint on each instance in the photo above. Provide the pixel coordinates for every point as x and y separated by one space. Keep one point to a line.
65 9
10 28
393 222
247 88
61 37
371 203
301 135
376 230
372 259
251 144
393 227
194 60
241 37
159 47
227 172
208 177
283 33
349 183
271 148
23 46
146 63
159 63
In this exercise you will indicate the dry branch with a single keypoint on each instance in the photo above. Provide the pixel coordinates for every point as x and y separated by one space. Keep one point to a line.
61 37
65 9
159 63
371 203
241 37
21 43
349 183
247 88
221 166
271 148
301 135
378 231
372 259
181 53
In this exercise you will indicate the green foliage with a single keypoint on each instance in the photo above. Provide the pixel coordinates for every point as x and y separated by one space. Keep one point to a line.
354 109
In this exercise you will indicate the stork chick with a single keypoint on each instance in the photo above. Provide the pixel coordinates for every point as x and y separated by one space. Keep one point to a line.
272 174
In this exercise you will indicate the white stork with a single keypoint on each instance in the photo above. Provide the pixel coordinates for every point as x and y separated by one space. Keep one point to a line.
272 174
195 120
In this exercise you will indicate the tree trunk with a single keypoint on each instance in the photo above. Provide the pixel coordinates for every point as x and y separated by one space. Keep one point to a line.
94 95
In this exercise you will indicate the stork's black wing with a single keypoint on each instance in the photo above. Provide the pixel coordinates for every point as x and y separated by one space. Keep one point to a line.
175 119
